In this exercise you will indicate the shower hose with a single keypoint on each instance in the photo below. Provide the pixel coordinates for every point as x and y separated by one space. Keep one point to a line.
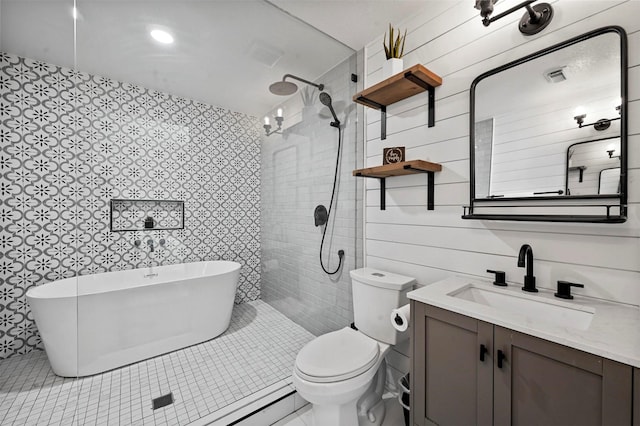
333 193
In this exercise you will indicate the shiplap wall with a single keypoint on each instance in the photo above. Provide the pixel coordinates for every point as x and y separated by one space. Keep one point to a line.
431 245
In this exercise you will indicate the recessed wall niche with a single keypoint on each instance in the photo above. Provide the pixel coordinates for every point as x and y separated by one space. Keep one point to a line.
146 215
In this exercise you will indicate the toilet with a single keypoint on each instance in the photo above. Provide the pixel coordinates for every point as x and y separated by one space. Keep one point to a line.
343 373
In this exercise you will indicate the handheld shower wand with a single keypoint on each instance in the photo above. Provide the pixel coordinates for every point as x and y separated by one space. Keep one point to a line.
326 100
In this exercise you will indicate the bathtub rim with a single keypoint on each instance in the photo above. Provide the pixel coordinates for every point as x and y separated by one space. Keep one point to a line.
79 285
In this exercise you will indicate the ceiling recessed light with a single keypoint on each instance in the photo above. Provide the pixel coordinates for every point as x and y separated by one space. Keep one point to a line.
162 36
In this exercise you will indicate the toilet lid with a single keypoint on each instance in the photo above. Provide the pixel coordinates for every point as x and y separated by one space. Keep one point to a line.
336 356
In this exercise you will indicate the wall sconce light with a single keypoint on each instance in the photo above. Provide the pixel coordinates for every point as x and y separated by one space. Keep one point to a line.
610 152
535 20
600 125
279 119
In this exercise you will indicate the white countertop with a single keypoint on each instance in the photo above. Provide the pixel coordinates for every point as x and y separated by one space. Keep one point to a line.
614 331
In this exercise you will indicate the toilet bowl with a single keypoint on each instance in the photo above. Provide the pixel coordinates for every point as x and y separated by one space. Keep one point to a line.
342 374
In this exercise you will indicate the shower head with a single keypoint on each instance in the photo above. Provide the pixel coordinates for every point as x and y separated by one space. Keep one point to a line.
283 88
286 88
326 101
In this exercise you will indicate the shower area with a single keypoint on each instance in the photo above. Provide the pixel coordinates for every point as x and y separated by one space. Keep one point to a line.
124 154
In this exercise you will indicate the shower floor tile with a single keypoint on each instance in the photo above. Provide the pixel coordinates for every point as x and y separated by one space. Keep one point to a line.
257 350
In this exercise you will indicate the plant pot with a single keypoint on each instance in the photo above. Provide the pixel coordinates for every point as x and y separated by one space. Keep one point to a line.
309 113
392 67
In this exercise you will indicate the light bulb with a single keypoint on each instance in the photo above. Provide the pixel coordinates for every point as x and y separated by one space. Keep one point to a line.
162 36
279 113
266 121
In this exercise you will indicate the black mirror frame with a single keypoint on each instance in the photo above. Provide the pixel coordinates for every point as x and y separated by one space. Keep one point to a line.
607 216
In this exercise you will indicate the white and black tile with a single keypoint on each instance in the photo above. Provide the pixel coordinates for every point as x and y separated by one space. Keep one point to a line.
70 142
257 351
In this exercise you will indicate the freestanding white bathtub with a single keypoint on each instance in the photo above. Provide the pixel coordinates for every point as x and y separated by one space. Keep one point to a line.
94 323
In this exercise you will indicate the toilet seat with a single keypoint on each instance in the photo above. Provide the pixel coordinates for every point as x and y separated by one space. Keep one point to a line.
337 356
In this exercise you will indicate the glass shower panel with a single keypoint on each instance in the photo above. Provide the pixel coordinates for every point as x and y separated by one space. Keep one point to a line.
298 169
40 193
164 123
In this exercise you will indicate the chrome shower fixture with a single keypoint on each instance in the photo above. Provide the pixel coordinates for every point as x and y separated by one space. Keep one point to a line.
535 20
286 88
326 101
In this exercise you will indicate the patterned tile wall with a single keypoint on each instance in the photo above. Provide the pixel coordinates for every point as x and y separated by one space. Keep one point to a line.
71 141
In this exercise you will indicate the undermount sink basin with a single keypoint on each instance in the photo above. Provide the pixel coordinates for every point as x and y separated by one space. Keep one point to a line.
558 313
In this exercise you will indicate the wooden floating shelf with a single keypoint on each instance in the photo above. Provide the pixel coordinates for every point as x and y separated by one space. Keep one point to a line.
398 87
399 169
409 82
402 169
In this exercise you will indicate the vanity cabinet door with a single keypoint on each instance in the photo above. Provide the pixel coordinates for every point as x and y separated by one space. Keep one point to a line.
540 382
450 384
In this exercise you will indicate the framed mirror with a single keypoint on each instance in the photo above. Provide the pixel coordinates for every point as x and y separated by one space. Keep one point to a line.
541 130
593 167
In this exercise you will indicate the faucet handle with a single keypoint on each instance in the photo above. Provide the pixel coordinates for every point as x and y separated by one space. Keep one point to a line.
564 289
500 279
137 243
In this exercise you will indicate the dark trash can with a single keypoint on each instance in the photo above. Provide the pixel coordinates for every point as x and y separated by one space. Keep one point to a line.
403 396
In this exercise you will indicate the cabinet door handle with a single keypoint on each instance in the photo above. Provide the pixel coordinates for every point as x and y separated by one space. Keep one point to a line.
483 350
501 357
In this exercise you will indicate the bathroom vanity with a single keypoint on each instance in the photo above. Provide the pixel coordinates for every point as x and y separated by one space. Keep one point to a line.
483 355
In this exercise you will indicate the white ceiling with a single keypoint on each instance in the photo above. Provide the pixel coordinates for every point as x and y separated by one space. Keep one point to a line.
352 22
222 46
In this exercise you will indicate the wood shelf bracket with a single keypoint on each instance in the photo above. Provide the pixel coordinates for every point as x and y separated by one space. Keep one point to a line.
431 96
581 169
383 114
430 185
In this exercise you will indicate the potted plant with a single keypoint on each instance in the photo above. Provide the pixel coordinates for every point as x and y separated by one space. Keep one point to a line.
394 52
308 99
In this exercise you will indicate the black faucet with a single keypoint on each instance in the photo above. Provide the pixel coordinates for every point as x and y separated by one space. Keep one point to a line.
529 279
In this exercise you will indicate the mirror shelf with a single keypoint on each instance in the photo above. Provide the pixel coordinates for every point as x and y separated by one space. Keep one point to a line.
548 134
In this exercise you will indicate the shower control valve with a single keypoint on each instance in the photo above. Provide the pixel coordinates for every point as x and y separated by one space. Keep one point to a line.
137 243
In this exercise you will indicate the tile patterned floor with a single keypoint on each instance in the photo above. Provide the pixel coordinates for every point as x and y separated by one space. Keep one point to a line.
257 350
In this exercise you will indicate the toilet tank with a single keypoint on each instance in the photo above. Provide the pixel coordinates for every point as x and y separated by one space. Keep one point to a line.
375 294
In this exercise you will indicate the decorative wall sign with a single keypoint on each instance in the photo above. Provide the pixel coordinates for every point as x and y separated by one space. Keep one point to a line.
145 215
393 155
